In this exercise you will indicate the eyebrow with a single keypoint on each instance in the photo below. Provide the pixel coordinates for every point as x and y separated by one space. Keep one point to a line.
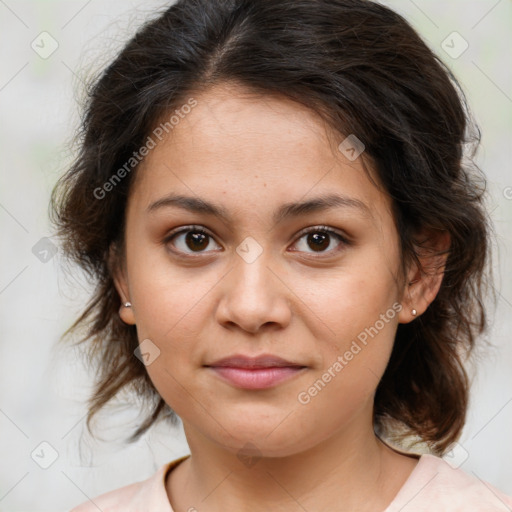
293 209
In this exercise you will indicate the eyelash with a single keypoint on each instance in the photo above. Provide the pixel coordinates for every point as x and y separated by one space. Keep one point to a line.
301 234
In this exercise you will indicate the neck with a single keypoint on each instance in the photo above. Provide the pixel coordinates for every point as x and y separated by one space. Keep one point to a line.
352 470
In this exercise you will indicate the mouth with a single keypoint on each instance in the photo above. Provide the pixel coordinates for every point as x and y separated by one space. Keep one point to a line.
261 372
256 378
251 362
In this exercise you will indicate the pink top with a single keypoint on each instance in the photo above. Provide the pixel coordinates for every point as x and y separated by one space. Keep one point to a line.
432 485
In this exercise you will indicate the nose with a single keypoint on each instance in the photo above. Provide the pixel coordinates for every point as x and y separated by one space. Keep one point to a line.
254 296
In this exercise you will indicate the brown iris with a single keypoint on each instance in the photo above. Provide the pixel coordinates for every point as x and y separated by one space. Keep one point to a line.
319 240
196 240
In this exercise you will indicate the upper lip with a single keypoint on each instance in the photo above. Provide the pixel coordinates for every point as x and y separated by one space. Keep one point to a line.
261 361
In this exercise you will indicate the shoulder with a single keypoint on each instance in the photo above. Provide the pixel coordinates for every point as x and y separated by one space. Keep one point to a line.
435 484
149 494
116 500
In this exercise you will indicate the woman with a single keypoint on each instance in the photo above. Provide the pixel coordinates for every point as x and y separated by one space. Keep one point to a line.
289 253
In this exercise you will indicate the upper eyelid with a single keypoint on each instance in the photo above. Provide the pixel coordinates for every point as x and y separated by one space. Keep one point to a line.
320 228
197 227
185 229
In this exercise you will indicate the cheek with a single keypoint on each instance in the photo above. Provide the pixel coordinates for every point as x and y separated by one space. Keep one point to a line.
172 309
357 311
352 367
344 303
168 299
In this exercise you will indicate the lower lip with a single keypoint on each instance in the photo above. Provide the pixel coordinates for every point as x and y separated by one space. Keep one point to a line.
259 378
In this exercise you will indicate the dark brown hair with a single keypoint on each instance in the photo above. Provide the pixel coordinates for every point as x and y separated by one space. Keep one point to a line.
364 69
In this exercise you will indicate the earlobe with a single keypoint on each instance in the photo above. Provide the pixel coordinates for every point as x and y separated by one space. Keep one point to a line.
118 272
424 282
126 313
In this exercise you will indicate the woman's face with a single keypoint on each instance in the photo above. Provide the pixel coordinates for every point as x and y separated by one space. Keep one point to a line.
256 283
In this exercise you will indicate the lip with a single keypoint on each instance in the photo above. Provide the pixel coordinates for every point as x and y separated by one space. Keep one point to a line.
261 372
260 378
261 361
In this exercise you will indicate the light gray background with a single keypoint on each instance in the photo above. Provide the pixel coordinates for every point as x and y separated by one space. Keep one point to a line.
43 387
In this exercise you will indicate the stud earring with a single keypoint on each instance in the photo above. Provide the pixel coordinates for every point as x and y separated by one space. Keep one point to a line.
127 304
414 312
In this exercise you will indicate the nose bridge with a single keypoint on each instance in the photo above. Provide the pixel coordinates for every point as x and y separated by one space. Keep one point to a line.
251 274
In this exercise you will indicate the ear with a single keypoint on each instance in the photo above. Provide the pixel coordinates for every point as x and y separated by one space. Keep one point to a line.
117 268
422 284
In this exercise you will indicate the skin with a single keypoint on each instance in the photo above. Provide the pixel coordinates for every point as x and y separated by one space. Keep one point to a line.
251 154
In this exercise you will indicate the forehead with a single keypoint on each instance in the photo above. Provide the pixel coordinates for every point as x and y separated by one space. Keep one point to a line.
241 148
236 125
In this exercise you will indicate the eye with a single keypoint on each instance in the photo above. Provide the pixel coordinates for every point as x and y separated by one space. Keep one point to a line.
192 238
320 239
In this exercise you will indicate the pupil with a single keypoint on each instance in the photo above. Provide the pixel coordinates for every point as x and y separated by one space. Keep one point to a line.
318 240
197 240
